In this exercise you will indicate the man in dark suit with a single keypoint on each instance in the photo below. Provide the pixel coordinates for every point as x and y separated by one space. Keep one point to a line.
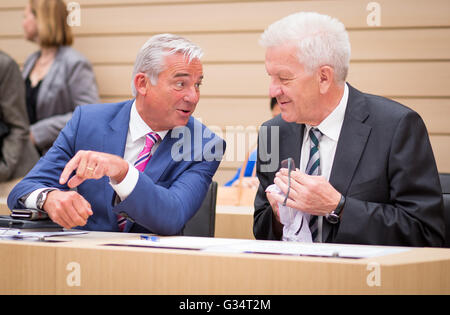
142 165
378 182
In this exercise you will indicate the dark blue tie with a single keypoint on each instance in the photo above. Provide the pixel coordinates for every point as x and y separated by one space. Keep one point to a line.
313 168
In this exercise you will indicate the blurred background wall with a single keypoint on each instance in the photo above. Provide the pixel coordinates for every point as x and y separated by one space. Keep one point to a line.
400 49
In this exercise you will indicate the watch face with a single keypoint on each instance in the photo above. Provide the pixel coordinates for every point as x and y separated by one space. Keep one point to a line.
41 198
40 201
38 204
333 218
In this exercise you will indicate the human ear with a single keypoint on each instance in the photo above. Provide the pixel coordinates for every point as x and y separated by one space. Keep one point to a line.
326 77
140 83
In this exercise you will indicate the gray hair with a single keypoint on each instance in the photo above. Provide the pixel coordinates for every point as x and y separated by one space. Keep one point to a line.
150 59
320 40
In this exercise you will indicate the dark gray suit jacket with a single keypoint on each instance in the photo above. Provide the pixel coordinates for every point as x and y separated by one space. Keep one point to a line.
385 167
18 153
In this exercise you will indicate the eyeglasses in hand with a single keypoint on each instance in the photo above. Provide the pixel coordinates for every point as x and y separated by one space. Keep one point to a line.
290 165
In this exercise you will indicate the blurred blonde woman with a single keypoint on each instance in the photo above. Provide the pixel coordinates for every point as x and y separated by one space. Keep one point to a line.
57 77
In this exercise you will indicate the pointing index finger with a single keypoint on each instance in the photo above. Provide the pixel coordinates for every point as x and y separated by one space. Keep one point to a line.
69 168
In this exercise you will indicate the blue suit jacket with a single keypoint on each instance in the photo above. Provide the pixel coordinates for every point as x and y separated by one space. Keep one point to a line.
168 192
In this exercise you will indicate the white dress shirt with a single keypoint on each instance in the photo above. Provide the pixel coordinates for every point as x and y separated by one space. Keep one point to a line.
331 129
137 130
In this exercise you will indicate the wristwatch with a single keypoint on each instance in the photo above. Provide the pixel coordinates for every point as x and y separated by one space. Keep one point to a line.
334 216
42 196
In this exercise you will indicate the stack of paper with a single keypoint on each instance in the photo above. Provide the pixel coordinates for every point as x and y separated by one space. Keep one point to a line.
267 247
26 234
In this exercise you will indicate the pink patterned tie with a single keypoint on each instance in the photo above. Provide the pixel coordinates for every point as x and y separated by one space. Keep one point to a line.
142 160
143 157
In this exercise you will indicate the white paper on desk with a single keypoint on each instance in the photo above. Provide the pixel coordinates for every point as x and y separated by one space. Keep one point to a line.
311 249
225 245
23 234
184 242
295 222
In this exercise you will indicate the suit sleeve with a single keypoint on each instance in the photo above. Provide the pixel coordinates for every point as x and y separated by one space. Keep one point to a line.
47 171
163 210
414 215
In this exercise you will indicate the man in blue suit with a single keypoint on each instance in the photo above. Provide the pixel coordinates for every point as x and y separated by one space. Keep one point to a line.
88 179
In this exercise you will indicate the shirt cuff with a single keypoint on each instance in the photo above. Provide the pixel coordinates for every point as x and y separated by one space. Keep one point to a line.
31 200
127 185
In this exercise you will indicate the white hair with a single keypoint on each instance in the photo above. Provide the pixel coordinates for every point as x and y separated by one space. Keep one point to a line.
320 40
150 59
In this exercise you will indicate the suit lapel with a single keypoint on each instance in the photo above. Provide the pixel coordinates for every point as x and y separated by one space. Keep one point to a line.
115 139
173 141
288 142
115 142
29 65
161 158
47 82
295 143
284 143
350 147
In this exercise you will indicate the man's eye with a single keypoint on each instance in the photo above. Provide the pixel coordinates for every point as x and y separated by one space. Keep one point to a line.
179 84
197 85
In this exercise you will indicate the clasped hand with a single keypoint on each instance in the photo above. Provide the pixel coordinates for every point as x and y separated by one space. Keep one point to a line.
308 193
69 208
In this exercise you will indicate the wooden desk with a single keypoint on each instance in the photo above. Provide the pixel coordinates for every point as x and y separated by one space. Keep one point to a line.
234 222
4 210
5 188
83 265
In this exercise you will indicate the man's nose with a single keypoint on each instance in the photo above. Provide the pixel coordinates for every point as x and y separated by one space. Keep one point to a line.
192 95
274 90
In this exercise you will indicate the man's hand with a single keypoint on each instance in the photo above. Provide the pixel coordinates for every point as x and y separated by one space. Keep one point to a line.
93 165
67 208
276 223
311 194
274 204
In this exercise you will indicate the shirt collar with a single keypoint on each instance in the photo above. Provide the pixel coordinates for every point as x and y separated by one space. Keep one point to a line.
332 124
137 126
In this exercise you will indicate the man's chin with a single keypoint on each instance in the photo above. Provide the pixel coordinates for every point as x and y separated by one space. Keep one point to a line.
288 117
182 122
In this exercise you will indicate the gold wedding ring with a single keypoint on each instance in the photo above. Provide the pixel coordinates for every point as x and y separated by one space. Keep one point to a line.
90 169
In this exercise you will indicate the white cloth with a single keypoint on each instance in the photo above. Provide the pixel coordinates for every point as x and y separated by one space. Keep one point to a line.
295 222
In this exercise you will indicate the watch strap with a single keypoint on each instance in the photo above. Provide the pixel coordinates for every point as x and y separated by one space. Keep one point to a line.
340 206
334 216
